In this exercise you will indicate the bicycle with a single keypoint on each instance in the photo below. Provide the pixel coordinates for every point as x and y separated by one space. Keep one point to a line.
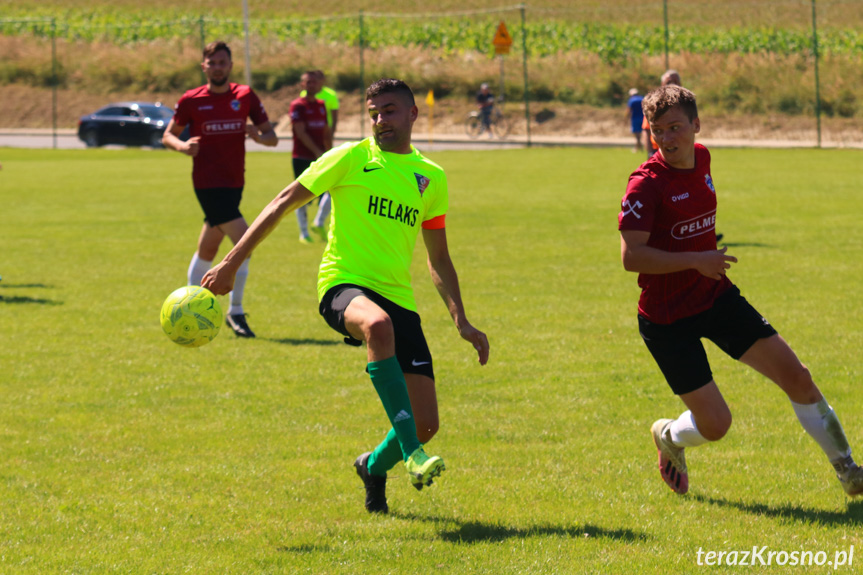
498 122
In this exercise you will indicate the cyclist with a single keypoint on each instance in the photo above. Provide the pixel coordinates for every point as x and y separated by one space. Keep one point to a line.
485 102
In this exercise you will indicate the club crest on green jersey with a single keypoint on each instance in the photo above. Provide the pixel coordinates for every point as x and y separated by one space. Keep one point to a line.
422 182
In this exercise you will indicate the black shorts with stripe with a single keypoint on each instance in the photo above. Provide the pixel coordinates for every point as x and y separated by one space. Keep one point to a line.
412 350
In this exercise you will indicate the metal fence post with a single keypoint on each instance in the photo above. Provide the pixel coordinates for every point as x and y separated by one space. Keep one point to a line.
203 43
248 44
665 18
817 83
362 80
524 66
54 81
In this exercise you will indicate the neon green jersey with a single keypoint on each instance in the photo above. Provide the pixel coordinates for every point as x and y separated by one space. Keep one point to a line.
380 201
331 102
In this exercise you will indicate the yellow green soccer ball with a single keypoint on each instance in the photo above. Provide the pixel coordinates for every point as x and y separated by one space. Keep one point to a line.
191 316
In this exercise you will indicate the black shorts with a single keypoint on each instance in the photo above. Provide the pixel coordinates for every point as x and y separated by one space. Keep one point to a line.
300 166
732 324
220 205
412 351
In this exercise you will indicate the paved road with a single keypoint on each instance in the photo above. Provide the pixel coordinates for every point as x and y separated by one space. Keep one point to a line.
67 139
14 139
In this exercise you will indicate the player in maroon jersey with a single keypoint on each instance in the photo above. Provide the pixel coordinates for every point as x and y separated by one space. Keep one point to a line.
667 228
217 114
312 136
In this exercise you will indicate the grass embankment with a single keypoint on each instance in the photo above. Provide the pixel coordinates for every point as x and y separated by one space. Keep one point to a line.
761 65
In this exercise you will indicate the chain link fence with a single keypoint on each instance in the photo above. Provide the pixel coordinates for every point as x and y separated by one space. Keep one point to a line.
786 68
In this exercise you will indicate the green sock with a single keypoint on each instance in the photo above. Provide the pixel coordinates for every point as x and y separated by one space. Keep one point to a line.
386 455
389 382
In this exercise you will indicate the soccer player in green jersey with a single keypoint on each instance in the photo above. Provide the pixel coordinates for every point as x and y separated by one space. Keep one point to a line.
384 192
331 101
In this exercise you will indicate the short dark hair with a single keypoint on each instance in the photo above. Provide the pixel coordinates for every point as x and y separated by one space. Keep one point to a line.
661 100
214 47
390 86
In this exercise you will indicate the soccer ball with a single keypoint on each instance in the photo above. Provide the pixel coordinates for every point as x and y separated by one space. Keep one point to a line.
191 316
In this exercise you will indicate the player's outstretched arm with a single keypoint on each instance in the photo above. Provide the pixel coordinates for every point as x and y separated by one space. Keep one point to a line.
220 279
638 257
445 280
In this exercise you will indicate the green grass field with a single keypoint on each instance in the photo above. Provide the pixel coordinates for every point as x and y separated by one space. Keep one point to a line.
121 452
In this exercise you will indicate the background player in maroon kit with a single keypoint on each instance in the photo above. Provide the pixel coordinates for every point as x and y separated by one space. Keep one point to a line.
312 136
667 228
216 114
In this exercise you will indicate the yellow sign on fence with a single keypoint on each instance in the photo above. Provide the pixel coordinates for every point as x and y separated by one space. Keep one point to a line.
502 40
430 102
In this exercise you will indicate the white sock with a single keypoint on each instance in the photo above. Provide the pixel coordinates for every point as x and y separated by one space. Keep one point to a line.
239 287
820 421
303 221
197 269
323 210
684 432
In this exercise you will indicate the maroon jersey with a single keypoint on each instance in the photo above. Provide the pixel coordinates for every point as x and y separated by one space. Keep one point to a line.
220 121
314 116
678 208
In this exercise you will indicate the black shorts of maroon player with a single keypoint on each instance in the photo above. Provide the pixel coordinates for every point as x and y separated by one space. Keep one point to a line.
300 166
732 324
412 351
220 205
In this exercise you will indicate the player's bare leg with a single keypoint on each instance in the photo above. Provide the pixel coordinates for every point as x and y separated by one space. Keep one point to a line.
708 419
367 322
236 316
775 359
423 397
208 247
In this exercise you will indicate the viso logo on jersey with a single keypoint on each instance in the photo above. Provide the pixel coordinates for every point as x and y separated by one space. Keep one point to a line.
694 227
217 127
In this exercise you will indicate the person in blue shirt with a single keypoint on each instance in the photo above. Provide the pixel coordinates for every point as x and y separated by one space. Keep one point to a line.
636 117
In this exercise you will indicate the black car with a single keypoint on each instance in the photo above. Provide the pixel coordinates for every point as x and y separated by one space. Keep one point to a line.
129 123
